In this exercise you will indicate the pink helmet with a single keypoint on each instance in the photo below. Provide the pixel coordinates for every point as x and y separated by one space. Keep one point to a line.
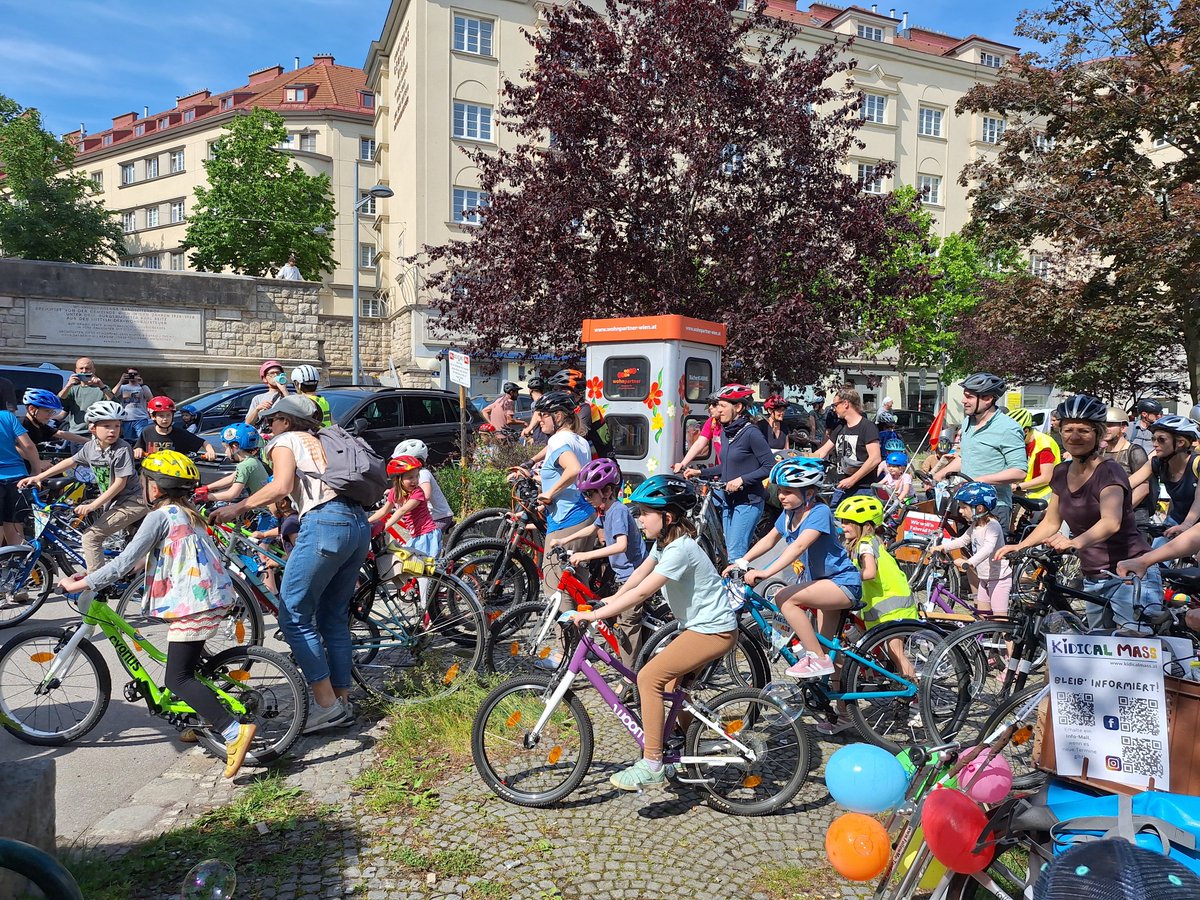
598 473
269 364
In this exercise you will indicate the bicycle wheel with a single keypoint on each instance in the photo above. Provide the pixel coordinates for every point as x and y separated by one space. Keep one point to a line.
745 666
57 712
892 723
766 778
1019 751
21 594
522 767
44 872
966 679
477 561
513 646
908 554
423 649
273 693
484 523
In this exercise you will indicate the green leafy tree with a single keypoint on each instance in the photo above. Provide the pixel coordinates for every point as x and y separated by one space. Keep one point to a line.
47 211
259 206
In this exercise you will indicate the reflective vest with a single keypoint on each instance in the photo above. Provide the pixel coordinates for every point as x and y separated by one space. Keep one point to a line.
1041 441
323 405
887 597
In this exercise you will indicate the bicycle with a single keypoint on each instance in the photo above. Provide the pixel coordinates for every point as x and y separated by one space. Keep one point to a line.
490 522
44 872
532 738
55 686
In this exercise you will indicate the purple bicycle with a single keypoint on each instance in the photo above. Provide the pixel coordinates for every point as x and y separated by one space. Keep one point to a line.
532 738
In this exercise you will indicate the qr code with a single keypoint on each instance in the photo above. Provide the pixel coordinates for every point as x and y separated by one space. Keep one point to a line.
1076 709
1140 756
1138 715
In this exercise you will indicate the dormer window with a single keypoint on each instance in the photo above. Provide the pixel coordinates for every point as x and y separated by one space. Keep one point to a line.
139 130
297 94
870 33
189 115
108 139
226 103
164 122
991 60
366 99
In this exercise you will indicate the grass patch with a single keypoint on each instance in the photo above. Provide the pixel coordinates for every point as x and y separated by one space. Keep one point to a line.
481 890
460 863
228 833
795 882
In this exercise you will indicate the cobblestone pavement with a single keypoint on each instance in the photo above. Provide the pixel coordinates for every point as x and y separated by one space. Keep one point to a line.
600 843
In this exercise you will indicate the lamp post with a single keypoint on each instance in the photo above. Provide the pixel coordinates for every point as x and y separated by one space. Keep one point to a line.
380 192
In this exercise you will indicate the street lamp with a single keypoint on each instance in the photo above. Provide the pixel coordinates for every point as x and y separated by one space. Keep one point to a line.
380 192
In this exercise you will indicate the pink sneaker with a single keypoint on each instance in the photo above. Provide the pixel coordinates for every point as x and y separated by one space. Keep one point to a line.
812 666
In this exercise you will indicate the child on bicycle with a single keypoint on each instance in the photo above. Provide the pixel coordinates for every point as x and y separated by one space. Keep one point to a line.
807 525
164 434
600 482
443 515
407 506
185 584
896 481
985 535
679 567
249 476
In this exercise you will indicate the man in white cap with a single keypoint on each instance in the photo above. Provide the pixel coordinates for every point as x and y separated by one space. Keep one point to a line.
885 407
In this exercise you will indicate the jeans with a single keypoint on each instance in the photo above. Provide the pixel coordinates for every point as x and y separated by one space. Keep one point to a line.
1119 611
739 520
839 495
318 582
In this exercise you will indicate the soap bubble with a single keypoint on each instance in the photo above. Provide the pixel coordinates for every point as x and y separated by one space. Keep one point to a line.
789 697
213 879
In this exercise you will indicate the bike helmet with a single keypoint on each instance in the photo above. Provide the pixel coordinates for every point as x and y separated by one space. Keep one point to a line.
190 410
666 492
305 374
555 401
1083 408
975 493
510 387
775 402
1176 425
1149 406
894 445
798 472
886 419
104 411
1116 417
245 436
897 459
597 473
985 384
402 464
269 364
1022 417
412 447
566 380
861 509
735 393
536 383
42 399
171 470
161 404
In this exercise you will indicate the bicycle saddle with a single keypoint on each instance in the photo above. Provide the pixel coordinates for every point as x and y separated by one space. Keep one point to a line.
1186 577
1029 503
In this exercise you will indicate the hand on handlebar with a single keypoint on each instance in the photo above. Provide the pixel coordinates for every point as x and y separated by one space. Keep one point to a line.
86 509
577 617
753 576
72 584
1061 543
1136 567
691 473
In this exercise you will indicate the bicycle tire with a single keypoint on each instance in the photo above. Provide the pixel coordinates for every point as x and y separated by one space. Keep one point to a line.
745 666
21 597
509 650
475 562
286 694
882 722
44 872
483 523
917 573
512 738
17 719
1026 776
782 739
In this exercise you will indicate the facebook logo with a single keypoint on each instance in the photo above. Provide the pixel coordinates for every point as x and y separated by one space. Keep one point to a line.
1112 723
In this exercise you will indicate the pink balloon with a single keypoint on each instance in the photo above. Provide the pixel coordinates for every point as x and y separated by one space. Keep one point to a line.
990 787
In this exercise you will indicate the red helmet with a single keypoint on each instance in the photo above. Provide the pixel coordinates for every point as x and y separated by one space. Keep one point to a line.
775 402
735 393
161 404
402 464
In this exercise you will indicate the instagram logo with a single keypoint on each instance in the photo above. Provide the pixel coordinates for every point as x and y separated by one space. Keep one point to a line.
1112 763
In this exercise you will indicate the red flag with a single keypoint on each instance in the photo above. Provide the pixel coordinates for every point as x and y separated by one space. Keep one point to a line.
935 430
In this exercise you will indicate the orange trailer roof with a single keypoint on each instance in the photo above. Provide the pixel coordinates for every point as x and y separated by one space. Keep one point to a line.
653 328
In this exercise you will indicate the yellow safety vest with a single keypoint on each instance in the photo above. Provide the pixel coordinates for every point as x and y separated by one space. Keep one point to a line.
1041 441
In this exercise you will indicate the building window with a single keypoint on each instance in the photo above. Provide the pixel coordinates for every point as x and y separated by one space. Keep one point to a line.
870 33
991 60
366 148
139 130
1039 267
286 142
993 130
366 99
1042 143
472 121
473 35
129 222
371 307
870 182
153 261
127 176
151 216
128 262
308 142
177 211
108 139
177 263
467 203
368 207
1160 142
189 115
733 159
152 167
213 146
164 123
929 122
930 189
874 108
177 161
295 94
226 103
98 180
366 256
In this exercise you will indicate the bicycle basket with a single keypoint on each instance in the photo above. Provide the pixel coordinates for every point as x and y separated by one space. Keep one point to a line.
410 563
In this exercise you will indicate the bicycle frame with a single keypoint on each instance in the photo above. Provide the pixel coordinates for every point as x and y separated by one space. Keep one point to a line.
230 540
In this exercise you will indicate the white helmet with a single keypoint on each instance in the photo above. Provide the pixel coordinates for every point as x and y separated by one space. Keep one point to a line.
412 447
305 374
104 411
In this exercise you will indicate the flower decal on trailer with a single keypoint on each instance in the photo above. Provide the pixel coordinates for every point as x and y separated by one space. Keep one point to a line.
595 388
652 465
654 398
653 402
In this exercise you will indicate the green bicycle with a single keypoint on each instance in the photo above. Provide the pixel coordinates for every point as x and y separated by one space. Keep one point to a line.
55 686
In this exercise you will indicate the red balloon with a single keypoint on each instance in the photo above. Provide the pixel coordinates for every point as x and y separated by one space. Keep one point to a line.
953 823
858 846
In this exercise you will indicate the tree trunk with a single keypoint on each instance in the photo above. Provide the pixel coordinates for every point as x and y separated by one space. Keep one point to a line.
1191 334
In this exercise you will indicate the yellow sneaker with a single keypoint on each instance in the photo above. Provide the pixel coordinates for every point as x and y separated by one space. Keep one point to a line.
235 750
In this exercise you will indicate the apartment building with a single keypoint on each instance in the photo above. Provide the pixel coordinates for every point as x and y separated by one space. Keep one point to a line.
146 168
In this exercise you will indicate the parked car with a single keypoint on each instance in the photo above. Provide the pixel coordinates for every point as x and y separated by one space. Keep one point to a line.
913 427
46 376
224 405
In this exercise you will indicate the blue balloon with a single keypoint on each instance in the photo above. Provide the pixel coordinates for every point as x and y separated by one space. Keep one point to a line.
865 779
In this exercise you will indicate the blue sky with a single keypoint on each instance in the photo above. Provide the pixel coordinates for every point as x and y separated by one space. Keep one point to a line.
89 60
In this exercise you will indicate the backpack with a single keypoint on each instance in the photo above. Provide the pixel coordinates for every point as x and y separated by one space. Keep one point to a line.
353 470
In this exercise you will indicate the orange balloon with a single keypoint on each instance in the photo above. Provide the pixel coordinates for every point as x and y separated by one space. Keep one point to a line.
858 846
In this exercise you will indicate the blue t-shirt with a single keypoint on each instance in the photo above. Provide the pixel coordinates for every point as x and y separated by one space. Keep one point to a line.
12 464
825 557
618 520
568 507
998 445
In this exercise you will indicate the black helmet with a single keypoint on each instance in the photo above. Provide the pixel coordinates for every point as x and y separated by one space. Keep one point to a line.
536 383
510 387
566 380
1083 408
985 384
555 401
1149 406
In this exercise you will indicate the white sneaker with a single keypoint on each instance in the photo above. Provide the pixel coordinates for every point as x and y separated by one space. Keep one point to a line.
322 717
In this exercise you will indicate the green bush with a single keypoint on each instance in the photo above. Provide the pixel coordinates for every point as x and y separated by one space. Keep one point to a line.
467 490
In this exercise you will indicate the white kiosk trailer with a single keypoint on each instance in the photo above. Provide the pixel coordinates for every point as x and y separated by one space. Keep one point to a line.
651 376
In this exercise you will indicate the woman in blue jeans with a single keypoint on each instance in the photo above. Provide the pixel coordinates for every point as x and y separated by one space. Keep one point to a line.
322 567
745 461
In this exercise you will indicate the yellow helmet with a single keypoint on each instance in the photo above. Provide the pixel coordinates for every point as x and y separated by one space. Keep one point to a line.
171 469
1022 417
861 509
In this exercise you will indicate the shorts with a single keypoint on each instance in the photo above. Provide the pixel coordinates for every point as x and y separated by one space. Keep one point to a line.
10 498
854 593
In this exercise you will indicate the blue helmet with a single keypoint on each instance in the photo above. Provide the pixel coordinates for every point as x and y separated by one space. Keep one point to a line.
897 458
245 436
42 399
798 472
894 445
665 491
190 410
975 493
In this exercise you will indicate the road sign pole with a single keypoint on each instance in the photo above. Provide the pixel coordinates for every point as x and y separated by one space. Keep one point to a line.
462 426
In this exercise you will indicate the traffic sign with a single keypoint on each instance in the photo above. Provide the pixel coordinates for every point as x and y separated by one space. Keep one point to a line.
460 368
